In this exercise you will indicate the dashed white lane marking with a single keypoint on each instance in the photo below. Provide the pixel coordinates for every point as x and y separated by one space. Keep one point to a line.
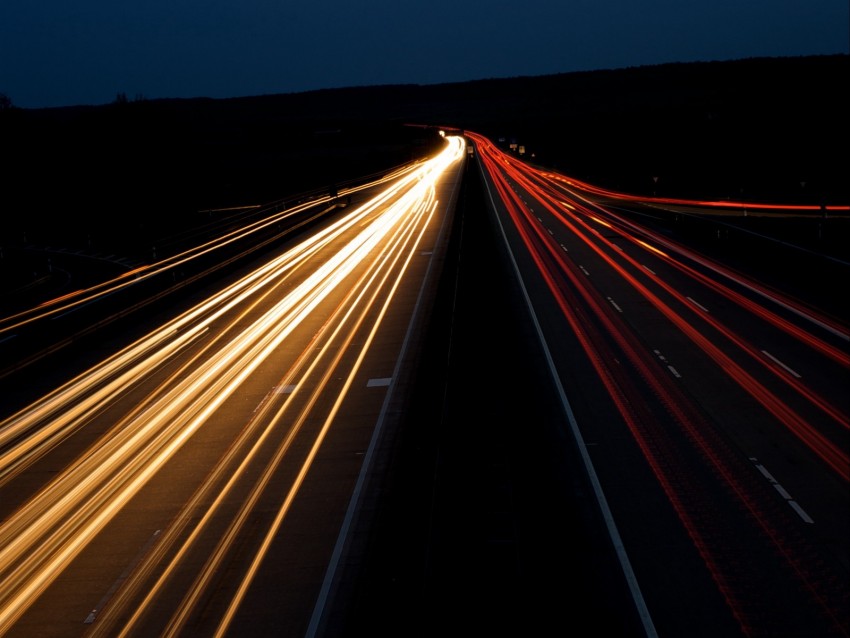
565 248
782 491
669 367
779 363
698 305
284 389
800 512
614 303
649 270
126 573
584 270
376 383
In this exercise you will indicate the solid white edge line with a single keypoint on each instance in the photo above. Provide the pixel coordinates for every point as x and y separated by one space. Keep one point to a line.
354 502
614 534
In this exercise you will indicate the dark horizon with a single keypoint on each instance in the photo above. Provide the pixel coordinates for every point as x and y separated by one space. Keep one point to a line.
66 55
122 97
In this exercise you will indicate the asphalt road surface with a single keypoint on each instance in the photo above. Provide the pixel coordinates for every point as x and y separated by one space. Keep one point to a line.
486 524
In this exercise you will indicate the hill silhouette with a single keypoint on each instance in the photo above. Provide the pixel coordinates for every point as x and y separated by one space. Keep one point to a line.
766 129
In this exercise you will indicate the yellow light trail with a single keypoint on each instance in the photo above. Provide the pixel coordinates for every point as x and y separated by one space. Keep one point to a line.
42 538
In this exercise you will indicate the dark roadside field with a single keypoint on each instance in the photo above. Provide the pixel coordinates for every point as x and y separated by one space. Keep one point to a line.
89 208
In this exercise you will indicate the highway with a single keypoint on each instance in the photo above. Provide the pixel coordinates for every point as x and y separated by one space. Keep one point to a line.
710 412
480 398
201 480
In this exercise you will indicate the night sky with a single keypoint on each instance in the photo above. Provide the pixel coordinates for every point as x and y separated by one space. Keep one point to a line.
73 52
